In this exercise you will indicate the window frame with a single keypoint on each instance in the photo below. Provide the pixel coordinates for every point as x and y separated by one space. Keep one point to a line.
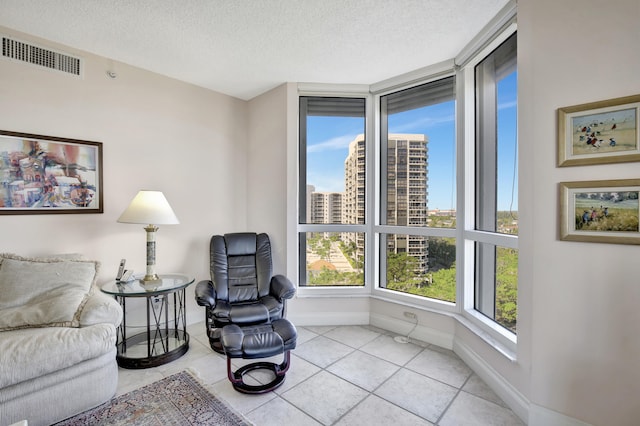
334 91
436 73
468 233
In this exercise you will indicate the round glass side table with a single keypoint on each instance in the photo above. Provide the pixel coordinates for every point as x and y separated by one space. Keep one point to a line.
158 344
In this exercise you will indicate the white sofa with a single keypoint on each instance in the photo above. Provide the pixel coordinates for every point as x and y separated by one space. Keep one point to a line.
57 339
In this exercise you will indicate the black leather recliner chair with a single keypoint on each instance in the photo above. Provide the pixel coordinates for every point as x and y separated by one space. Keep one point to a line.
242 289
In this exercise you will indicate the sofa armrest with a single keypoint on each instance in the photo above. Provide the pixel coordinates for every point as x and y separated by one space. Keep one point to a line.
206 294
282 287
100 309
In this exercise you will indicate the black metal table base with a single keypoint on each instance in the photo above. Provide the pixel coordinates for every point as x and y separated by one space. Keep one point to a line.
133 353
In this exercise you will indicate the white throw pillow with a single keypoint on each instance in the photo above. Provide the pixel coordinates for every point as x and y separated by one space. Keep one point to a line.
41 292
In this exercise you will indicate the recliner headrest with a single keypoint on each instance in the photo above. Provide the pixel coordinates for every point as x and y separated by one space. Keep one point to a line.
240 244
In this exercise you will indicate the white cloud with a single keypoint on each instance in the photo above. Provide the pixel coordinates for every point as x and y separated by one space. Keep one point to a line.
506 105
423 123
333 144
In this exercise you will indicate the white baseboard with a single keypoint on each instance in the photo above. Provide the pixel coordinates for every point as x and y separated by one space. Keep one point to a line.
540 416
328 318
420 332
518 403
195 317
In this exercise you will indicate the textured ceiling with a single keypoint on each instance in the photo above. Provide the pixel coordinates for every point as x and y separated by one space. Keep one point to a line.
246 47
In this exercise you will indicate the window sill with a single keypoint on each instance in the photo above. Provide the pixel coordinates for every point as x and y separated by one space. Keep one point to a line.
505 344
332 291
413 301
507 351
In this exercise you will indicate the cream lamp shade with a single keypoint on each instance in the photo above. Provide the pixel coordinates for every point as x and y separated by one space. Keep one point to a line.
151 208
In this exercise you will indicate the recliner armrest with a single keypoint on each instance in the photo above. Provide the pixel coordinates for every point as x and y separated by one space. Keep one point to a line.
206 294
282 287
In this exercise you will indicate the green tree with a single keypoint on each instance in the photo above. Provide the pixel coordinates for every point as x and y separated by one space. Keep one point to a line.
507 287
323 248
400 268
442 253
332 277
442 285
325 277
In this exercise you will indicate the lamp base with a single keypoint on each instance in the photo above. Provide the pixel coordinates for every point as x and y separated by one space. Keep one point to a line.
151 275
151 278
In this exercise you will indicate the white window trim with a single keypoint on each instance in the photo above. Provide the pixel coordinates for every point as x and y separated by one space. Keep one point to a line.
423 76
345 91
466 88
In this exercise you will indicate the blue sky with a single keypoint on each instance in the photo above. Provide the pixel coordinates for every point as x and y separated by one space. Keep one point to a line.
328 145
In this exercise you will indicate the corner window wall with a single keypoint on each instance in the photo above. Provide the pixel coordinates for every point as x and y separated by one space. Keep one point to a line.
332 191
418 190
423 210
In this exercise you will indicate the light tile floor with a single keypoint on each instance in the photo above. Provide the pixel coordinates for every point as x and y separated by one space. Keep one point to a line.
348 375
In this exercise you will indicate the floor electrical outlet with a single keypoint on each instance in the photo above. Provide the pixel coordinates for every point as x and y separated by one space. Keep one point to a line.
411 315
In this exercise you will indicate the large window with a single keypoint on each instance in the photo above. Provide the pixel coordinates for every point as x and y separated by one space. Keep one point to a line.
418 190
496 186
332 191
411 193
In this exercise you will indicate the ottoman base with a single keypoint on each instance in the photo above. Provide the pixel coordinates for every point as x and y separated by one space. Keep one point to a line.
237 377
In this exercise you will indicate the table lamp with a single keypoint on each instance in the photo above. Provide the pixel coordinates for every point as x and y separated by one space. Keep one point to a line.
152 208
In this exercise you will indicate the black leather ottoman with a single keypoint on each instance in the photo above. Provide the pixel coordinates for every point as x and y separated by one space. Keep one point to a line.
256 342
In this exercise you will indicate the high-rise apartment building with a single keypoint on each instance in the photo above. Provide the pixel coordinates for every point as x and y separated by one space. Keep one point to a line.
353 207
326 207
406 193
353 201
405 198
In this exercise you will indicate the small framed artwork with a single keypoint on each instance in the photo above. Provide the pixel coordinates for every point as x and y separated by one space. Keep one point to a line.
604 211
45 174
599 132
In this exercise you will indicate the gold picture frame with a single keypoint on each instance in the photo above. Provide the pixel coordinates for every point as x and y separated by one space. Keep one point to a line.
602 211
601 132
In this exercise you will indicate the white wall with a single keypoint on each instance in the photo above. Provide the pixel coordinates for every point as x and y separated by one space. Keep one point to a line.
583 296
266 171
157 133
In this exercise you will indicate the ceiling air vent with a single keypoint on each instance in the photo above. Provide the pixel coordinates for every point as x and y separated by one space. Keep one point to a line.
40 56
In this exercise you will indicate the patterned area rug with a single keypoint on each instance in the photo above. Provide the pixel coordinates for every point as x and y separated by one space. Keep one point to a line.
175 400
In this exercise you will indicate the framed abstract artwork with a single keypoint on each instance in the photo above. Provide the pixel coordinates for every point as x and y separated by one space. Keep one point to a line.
45 174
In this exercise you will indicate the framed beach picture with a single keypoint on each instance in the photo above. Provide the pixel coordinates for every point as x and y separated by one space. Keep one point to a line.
45 174
605 211
599 132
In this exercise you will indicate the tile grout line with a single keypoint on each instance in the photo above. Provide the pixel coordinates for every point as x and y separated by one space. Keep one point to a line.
452 400
372 392
369 393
